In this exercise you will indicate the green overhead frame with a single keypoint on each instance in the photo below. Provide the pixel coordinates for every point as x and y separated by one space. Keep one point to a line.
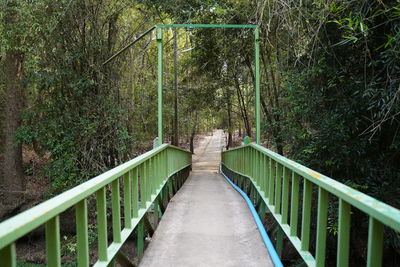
160 75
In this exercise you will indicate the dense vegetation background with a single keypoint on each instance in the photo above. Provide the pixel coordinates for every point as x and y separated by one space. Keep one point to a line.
330 88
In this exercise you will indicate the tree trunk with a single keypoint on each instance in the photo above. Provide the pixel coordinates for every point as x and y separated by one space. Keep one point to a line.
242 106
193 134
11 70
229 109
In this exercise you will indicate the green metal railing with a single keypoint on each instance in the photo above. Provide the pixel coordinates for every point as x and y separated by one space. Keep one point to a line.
143 181
277 180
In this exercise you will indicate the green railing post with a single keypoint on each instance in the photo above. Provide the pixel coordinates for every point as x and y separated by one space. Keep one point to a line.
128 200
321 227
344 234
8 256
294 205
82 233
101 224
140 239
306 218
52 230
257 82
116 211
160 84
135 193
375 243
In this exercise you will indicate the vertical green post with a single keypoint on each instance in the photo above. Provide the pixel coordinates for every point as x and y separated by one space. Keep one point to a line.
101 224
127 200
375 243
116 211
306 218
139 239
278 187
285 195
160 85
294 205
321 227
135 193
257 81
8 256
82 233
344 234
52 230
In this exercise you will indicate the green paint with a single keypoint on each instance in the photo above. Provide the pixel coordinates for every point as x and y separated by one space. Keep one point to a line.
135 192
47 212
375 243
257 83
321 227
285 196
8 256
101 224
116 211
380 213
278 188
82 233
127 200
294 205
52 233
160 84
233 26
140 239
344 234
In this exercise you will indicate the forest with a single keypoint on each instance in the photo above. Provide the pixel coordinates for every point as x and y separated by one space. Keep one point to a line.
330 91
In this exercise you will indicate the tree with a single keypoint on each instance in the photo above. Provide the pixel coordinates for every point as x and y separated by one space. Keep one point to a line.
11 75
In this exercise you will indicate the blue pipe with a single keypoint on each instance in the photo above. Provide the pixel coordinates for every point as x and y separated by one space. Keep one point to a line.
270 247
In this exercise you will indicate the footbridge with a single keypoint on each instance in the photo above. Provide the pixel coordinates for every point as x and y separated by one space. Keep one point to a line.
241 207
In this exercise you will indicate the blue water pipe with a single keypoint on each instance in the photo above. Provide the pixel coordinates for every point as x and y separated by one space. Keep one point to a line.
270 247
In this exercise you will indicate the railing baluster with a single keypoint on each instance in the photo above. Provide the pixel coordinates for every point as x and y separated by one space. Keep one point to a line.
150 179
127 200
375 243
266 173
102 223
279 170
322 217
271 181
262 172
81 216
8 256
116 211
135 192
285 195
344 234
140 239
52 230
294 206
145 178
305 225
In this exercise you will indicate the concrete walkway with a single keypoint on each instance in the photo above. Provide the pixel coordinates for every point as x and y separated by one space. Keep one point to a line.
207 223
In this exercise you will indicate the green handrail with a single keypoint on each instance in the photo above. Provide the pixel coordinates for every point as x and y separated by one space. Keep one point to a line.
143 179
277 179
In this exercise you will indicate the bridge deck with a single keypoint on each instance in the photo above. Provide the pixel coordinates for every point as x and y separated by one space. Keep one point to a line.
207 223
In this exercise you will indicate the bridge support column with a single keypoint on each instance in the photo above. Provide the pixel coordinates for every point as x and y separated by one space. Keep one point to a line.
160 84
257 82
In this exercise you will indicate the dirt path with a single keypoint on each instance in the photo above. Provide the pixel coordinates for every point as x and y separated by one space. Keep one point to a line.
207 222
